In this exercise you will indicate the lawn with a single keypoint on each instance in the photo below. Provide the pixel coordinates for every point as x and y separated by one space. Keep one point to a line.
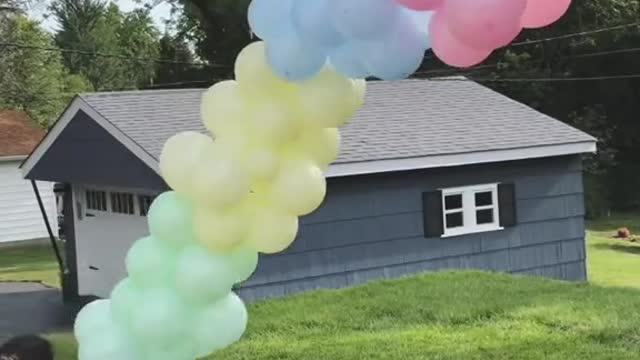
464 315
29 263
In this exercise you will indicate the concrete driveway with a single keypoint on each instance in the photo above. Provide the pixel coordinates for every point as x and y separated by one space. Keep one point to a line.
27 308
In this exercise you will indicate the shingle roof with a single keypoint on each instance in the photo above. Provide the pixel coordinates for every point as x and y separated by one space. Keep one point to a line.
18 134
404 119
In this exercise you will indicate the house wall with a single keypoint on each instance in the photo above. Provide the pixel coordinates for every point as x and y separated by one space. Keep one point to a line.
20 216
371 227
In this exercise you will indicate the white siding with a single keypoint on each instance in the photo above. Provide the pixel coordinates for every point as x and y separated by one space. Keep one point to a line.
20 217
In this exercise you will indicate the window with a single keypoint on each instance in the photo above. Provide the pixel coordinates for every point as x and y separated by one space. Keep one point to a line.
470 209
122 203
144 203
96 200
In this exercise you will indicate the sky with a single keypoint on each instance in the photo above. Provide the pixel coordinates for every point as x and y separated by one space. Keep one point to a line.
159 13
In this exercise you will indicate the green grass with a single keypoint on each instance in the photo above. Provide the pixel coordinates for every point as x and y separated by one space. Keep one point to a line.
29 263
463 315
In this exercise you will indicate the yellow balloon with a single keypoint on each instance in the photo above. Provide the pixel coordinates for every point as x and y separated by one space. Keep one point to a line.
270 231
359 92
321 145
223 109
218 180
180 157
299 188
261 163
254 74
220 231
328 99
272 121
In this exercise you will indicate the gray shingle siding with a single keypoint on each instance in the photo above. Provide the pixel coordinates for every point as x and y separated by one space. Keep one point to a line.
370 227
404 119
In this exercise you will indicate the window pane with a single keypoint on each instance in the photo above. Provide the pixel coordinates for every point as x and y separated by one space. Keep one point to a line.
453 202
454 220
484 198
484 216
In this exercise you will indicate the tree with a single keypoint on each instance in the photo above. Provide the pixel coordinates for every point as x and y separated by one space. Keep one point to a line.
32 80
92 27
181 73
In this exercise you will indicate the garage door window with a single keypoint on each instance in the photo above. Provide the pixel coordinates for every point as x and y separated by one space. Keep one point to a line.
96 200
122 203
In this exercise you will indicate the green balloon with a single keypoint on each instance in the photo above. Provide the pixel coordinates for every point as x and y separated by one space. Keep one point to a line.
245 262
179 349
150 263
220 325
161 318
124 298
92 319
170 219
203 277
110 343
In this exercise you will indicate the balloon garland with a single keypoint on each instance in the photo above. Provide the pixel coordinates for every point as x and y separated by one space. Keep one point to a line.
276 132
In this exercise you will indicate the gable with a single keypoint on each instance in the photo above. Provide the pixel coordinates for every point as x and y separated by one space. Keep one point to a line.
85 153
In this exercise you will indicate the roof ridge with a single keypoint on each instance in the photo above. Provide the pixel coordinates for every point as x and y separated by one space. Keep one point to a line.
138 92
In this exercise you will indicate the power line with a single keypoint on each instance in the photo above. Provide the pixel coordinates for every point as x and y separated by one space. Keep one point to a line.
107 55
548 79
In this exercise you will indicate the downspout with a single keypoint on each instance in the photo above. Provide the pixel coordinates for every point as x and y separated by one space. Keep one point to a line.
52 238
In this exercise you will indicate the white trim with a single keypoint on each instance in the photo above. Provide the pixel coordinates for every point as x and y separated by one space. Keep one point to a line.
12 158
469 209
76 105
436 161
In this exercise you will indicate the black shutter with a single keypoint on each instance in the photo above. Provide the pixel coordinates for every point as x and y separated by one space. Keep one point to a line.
507 203
432 214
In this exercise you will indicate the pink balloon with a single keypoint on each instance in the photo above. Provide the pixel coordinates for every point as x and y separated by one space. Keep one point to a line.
449 49
420 5
540 13
485 23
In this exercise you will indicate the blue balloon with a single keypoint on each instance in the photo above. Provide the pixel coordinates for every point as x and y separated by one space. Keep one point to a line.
292 59
365 19
398 55
312 20
348 60
270 18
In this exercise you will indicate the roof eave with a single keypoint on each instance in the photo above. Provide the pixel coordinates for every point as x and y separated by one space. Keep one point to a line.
459 159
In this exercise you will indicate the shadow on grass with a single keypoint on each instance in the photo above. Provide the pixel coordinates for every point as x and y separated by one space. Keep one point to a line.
612 223
619 247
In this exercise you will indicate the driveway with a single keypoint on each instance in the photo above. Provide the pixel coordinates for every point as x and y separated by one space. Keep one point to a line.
27 308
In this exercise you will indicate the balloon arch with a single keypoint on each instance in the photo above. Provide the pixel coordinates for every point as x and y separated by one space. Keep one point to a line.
276 132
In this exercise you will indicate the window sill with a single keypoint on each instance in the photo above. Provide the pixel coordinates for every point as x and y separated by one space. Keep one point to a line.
471 231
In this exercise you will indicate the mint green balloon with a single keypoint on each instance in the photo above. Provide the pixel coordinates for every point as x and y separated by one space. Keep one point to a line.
150 263
161 318
245 262
170 219
180 349
203 277
220 325
110 343
92 319
124 298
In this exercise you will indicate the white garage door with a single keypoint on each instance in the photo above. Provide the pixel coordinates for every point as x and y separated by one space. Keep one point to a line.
20 216
107 223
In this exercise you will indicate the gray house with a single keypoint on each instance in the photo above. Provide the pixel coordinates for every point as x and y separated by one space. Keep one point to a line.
434 174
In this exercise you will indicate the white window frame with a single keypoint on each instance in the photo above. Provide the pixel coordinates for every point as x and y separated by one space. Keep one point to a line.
469 208
85 201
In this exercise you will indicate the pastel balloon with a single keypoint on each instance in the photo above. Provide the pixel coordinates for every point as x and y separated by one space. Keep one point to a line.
220 325
170 219
273 122
124 298
450 50
203 277
271 231
293 59
244 261
421 5
364 19
112 342
220 231
161 318
92 319
261 162
255 76
149 263
218 181
300 188
326 99
406 43
268 18
312 22
484 24
540 13
321 145
347 59
180 155
223 109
